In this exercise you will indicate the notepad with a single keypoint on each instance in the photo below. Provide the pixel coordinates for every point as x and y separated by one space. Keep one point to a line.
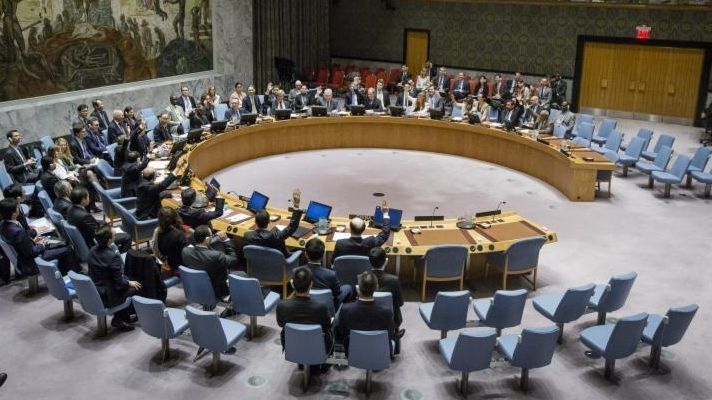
239 217
42 225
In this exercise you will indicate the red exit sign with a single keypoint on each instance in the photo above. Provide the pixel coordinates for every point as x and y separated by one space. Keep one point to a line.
642 32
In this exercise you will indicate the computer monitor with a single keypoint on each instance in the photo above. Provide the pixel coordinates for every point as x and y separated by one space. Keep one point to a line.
394 214
248 118
357 109
215 183
396 111
257 202
194 135
316 211
218 126
318 111
282 114
178 147
436 114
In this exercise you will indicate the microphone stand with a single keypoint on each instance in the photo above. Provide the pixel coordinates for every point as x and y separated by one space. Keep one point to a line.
432 217
496 210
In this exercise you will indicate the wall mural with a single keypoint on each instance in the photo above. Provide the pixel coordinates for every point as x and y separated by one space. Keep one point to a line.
54 46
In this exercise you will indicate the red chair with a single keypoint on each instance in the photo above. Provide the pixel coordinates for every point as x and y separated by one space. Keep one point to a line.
337 80
322 77
334 68
370 81
350 69
382 75
381 70
364 71
473 84
393 77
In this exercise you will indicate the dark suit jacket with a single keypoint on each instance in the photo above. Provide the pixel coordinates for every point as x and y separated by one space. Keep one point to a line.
48 180
274 238
131 177
442 82
102 117
95 143
139 142
230 113
364 316
357 246
80 217
149 197
62 206
374 105
512 118
465 84
162 134
404 77
15 166
350 97
399 100
214 262
171 244
17 237
196 121
303 310
324 278
191 100
301 101
106 270
437 103
194 217
390 283
503 91
274 104
332 106
76 149
247 105
386 98
115 130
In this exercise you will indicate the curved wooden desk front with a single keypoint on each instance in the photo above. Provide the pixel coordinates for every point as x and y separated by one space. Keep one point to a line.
573 176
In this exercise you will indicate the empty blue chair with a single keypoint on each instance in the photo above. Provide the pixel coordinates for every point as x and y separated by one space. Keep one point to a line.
46 142
643 133
56 219
151 122
562 308
662 158
448 312
613 143
140 231
554 114
469 351
604 130
611 297
219 110
631 155
211 332
663 140
147 112
614 341
703 177
108 198
581 118
348 268
325 297
107 172
80 246
5 178
44 200
521 258
246 297
160 321
533 348
57 285
667 330
492 114
37 154
676 174
304 345
111 149
91 301
197 287
584 135
504 310
444 263
369 350
270 266
559 131
698 163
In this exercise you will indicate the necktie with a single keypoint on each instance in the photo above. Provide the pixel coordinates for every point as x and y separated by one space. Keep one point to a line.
328 105
188 106
84 150
542 93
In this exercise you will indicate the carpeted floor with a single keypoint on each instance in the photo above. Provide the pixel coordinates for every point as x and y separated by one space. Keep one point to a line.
664 240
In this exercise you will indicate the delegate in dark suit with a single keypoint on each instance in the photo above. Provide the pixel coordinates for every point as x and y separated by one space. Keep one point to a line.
171 244
115 130
274 238
358 246
102 117
194 217
325 278
363 315
131 177
303 310
149 197
250 102
15 166
87 226
390 283
331 105
95 143
510 117
48 180
214 262
106 270
442 84
17 237
162 134
301 100
80 151
280 105
354 97
62 206
373 104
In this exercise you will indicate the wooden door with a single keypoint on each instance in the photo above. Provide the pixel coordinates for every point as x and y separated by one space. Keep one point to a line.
681 88
417 50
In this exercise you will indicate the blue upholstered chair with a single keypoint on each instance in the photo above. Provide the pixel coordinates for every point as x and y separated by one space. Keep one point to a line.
151 122
80 246
504 310
644 133
448 312
325 297
304 345
698 162
675 175
348 268
660 163
559 131
444 263
580 119
111 149
562 308
44 200
46 142
57 219
140 231
147 112
533 348
584 134
613 143
611 297
107 173
270 266
631 155
554 114
469 351
246 298
198 288
109 197
667 330
383 299
604 131
6 180
57 285
703 177
369 350
663 140
211 332
492 114
160 321
522 257
91 301
220 109
614 341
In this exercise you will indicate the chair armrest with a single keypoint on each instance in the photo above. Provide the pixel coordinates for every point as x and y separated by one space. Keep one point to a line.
121 306
112 178
293 260
147 222
125 199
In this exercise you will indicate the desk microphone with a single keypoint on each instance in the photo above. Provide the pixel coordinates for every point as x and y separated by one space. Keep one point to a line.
496 211
432 218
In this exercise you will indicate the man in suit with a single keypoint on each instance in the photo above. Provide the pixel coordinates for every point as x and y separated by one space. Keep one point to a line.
302 100
499 89
332 106
323 277
149 194
512 84
94 140
357 245
405 98
274 238
544 93
251 103
558 89
131 173
279 102
461 87
28 248
100 114
176 115
435 102
20 167
543 124
388 283
364 314
162 131
301 309
382 94
372 103
78 216
47 178
78 146
233 113
404 76
442 82
195 217
117 126
509 116
530 111
204 257
566 118
354 96
83 115
186 100
16 192
62 203
295 91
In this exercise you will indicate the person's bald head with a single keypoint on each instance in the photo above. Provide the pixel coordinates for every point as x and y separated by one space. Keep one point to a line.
149 174
357 226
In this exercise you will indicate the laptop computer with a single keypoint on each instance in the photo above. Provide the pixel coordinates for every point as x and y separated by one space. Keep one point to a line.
316 211
394 214
257 202
396 111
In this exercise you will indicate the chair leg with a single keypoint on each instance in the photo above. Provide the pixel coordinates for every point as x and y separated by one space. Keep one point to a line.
625 170
504 280
101 325
486 269
215 365
33 284
524 380
688 184
68 310
667 190
560 325
499 331
443 334
463 383
601 318
534 279
368 381
422 291
165 350
284 290
708 188
253 326
655 352
610 367
306 377
651 183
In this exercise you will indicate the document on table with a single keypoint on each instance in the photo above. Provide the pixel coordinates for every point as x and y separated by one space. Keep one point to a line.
239 217
42 225
158 164
346 235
